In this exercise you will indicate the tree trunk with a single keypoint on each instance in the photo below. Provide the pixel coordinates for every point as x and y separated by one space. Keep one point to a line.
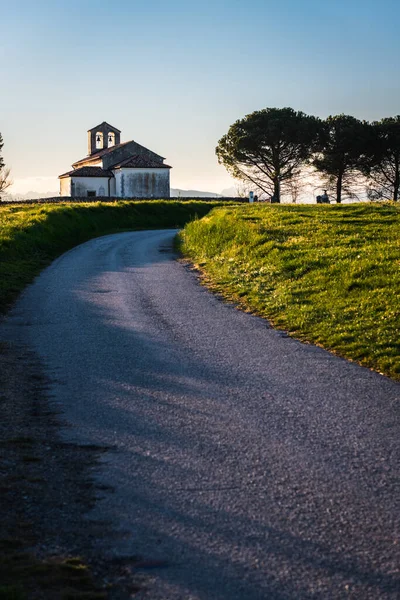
339 188
277 190
396 183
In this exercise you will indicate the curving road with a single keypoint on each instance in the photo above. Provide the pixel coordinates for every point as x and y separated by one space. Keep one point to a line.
251 466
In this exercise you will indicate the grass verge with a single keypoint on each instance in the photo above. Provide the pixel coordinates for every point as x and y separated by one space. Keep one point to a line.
31 236
327 274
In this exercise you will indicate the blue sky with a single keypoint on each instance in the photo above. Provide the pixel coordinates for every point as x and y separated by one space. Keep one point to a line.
174 75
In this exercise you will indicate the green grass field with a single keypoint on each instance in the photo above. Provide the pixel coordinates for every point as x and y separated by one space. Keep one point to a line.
326 274
31 236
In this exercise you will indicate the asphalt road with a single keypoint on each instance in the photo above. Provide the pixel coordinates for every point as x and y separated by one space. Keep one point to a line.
246 465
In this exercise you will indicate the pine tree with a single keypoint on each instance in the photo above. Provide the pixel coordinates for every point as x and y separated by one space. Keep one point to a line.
344 140
382 163
268 148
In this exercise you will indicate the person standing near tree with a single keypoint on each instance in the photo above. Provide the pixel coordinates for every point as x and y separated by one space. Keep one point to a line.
325 198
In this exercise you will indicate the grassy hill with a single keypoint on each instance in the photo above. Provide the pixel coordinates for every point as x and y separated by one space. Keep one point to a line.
326 274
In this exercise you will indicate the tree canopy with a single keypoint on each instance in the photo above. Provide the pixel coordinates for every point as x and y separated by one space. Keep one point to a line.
269 147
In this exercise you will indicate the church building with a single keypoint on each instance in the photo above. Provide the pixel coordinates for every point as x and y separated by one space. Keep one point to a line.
117 170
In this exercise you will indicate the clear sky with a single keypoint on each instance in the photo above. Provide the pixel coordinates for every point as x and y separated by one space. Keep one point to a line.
173 75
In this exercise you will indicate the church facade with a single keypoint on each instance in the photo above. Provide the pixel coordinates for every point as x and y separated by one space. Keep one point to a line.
115 169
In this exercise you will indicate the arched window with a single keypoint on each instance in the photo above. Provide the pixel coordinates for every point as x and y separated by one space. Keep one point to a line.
111 139
99 140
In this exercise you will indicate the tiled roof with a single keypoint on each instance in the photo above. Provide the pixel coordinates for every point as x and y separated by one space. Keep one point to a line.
88 172
104 123
100 153
94 157
140 162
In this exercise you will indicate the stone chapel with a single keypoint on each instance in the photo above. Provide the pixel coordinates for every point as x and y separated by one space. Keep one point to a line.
115 169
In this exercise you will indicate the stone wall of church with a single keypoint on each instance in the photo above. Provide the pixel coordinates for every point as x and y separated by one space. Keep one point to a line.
80 186
65 186
142 183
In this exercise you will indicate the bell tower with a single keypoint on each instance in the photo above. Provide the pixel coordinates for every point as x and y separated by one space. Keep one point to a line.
102 136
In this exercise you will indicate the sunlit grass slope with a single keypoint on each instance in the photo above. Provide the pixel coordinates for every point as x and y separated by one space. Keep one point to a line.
327 274
31 236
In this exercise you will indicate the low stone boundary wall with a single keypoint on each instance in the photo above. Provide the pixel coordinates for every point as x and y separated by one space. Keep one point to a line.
85 199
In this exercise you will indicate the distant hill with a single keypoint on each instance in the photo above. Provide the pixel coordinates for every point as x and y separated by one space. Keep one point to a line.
231 192
193 194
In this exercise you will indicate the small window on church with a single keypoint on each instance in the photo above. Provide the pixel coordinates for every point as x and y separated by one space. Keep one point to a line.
111 139
91 193
99 140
